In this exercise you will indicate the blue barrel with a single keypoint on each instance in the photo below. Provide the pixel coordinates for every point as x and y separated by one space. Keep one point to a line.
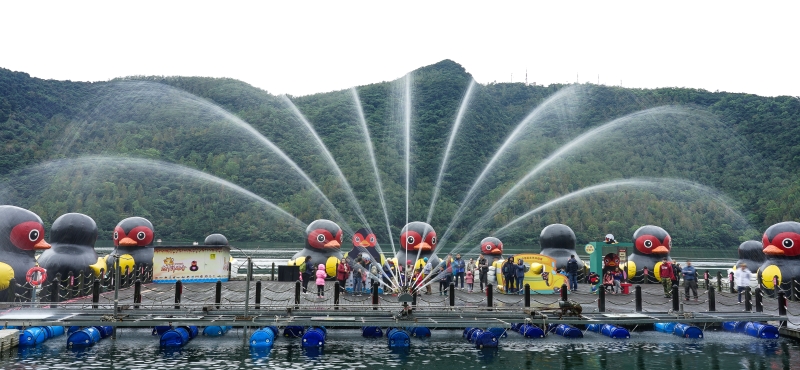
568 331
73 329
85 337
54 331
474 335
398 338
734 326
105 331
293 331
262 338
314 337
32 336
515 326
486 339
687 331
594 327
192 331
531 331
665 327
465 334
177 337
499 332
616 332
216 330
760 330
274 330
371 332
159 330
419 331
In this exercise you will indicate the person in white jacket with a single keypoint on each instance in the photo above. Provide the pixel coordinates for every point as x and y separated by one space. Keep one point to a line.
742 278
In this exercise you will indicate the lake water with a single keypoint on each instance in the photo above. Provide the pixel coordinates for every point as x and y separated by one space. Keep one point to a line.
137 349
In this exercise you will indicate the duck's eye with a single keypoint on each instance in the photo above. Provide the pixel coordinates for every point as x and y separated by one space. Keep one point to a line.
410 240
320 238
648 243
33 235
116 235
787 243
140 235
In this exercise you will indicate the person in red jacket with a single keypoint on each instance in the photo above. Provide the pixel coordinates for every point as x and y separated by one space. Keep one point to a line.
341 273
667 275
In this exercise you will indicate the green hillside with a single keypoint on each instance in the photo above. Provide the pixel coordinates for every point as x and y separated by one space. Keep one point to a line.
712 168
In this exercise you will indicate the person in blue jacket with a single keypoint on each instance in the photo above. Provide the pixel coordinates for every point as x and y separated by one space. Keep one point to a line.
459 267
520 275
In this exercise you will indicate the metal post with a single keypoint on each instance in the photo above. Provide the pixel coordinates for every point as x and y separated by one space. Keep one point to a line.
297 294
116 286
137 293
748 305
527 295
719 281
375 296
229 270
564 291
676 299
601 299
70 293
81 285
732 285
781 304
759 300
95 292
452 294
272 273
489 295
54 288
178 293
414 301
218 293
258 295
336 292
638 298
247 289
712 300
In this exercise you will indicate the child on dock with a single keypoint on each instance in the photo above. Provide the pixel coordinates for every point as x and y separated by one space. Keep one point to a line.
321 275
470 280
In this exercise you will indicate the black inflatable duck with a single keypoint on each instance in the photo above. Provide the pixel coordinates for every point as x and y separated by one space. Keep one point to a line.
751 253
651 245
491 249
364 241
417 240
72 237
781 246
21 235
323 243
558 242
132 236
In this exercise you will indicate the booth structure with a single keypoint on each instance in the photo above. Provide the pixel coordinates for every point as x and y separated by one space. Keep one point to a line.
598 250
191 263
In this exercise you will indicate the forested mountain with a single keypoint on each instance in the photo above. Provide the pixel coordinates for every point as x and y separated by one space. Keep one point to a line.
202 155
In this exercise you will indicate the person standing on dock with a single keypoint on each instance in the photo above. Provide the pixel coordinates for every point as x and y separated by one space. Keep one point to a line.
358 287
307 269
321 275
427 268
342 270
483 271
667 276
508 274
689 280
572 273
519 274
742 277
459 267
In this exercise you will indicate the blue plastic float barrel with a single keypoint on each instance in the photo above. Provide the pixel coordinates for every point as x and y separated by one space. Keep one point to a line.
485 339
177 337
32 336
85 337
594 327
613 331
293 331
665 327
160 330
531 331
371 332
398 338
314 337
687 331
568 331
474 335
515 326
216 330
498 332
73 329
467 333
105 331
759 330
193 331
734 326
54 331
262 338
419 331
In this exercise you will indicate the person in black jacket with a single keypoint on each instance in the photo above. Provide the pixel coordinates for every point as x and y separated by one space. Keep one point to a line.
572 273
483 270
509 274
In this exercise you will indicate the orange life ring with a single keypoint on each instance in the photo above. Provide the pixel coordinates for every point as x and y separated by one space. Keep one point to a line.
42 276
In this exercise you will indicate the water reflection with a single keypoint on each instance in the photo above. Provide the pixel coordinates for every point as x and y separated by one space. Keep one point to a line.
137 349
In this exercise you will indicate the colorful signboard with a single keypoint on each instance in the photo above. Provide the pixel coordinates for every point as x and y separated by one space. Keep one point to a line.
541 273
193 264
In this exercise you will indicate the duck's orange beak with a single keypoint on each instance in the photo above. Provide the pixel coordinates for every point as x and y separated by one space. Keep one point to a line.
774 251
332 244
660 249
41 245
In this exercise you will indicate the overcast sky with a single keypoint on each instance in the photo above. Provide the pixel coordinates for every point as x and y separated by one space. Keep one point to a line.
304 47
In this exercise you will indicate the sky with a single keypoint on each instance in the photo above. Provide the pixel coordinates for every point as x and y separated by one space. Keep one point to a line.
306 47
